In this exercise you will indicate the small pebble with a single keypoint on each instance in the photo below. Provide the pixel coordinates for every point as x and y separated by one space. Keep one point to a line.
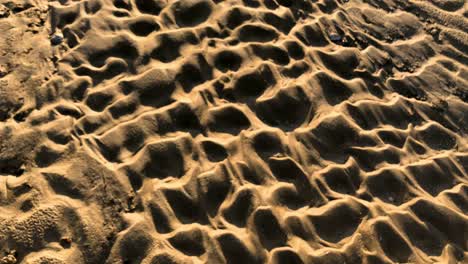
335 37
56 39
65 242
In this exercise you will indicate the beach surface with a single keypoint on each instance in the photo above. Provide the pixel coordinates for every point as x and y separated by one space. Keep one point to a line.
236 131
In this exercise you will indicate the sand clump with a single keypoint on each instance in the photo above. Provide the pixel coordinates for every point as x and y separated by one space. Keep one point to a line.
237 131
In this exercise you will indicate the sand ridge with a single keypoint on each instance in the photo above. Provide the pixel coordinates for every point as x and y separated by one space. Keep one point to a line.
237 131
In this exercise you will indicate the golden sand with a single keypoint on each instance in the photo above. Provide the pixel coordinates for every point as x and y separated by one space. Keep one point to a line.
237 131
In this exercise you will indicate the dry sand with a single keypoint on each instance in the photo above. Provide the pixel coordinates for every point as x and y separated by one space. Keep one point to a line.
237 131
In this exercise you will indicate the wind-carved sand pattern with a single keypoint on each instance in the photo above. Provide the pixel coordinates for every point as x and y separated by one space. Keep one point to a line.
237 131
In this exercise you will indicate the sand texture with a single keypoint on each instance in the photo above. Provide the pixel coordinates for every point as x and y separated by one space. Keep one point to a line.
236 131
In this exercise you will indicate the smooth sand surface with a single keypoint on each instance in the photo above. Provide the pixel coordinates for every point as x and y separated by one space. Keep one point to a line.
236 131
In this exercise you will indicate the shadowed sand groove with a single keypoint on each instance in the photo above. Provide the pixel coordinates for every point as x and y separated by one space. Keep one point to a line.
235 131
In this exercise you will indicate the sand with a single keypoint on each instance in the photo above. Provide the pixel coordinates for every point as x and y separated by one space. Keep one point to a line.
236 131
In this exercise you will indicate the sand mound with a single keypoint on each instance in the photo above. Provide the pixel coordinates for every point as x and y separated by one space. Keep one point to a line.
237 131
